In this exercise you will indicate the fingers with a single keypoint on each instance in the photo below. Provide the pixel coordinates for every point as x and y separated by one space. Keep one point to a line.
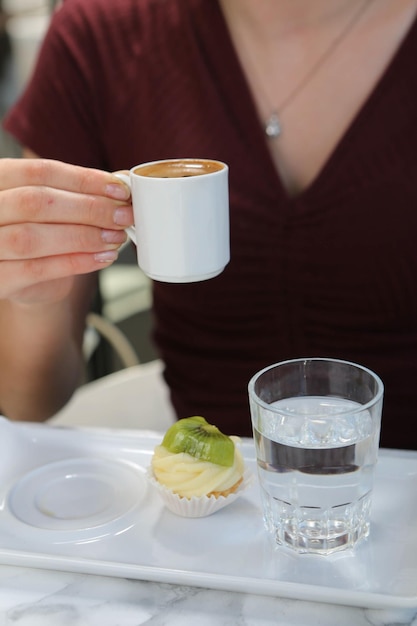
35 241
57 221
46 172
16 276
40 204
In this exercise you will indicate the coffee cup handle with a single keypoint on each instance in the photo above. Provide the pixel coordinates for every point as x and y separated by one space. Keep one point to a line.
130 230
131 233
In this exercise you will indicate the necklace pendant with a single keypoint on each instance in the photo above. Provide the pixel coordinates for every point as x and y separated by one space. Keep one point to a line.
273 127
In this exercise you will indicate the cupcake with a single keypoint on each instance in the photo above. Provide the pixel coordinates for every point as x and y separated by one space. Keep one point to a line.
197 468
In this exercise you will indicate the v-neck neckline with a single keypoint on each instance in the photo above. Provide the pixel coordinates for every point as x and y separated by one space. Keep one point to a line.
247 110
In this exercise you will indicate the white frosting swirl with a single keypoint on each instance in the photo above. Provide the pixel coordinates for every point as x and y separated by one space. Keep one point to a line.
188 476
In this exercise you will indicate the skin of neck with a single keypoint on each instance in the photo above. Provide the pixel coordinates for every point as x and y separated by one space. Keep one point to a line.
283 17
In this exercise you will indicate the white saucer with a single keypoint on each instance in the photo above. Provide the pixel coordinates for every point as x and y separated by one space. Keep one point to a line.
77 494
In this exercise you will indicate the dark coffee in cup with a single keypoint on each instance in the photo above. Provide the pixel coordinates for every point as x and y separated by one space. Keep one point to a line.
179 168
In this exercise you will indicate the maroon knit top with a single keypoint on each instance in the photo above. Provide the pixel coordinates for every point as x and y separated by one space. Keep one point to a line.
332 272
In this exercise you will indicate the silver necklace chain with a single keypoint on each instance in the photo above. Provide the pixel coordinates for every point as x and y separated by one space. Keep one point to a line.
273 128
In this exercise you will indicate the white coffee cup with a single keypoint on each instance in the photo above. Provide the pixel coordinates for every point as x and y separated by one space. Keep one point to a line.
181 213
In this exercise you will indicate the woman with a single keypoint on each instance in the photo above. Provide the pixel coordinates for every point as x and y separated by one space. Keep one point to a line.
313 106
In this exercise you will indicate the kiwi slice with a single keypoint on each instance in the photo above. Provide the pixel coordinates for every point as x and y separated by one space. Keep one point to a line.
201 440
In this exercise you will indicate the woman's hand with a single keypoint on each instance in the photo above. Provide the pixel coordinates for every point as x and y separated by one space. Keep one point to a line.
56 221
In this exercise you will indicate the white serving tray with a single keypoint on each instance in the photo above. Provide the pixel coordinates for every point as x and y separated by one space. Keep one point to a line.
78 500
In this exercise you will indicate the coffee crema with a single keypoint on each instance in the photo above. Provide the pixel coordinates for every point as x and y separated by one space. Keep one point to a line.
179 168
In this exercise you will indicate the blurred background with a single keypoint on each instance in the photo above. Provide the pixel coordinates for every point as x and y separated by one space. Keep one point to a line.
119 328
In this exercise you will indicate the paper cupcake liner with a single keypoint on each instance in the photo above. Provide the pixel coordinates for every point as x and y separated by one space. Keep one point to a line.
197 506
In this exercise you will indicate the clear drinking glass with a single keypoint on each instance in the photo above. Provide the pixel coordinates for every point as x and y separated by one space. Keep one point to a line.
316 424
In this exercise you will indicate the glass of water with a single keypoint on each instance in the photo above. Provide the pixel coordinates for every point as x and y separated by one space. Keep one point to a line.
316 424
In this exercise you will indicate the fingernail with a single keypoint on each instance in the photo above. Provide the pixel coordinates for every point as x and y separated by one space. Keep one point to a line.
113 236
106 257
123 216
119 192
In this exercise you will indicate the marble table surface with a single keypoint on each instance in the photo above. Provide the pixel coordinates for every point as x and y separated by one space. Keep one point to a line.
42 597
30 597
